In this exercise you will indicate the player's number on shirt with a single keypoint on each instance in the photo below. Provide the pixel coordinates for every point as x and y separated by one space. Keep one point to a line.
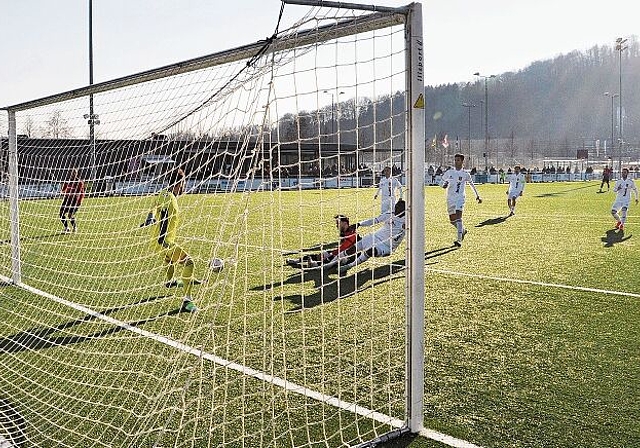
458 187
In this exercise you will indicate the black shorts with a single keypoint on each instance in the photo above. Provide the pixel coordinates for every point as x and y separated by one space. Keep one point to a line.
69 209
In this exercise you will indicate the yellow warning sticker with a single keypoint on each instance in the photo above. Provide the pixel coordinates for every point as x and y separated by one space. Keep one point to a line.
419 104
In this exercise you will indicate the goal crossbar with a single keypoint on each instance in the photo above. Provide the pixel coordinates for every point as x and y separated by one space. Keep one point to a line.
367 23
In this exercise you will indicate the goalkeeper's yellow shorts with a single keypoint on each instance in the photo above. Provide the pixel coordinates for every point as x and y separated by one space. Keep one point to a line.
173 254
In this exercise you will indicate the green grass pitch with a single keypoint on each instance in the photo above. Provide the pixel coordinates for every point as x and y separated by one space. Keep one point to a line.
531 327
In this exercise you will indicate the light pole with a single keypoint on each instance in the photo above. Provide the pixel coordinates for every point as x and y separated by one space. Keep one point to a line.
469 106
92 118
486 111
613 97
332 109
620 47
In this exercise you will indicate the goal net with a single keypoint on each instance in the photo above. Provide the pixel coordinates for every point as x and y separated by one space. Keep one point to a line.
116 326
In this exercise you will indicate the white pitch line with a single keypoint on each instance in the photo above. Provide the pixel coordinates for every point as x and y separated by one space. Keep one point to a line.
534 282
285 384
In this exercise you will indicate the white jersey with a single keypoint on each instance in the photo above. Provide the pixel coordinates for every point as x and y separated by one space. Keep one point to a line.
623 189
516 183
456 181
387 238
388 187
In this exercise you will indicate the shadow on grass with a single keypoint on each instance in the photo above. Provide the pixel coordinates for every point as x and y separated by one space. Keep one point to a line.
13 425
614 237
316 248
561 192
329 289
41 338
492 221
36 237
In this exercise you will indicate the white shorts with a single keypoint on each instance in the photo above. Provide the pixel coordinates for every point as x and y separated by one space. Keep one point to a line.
383 248
455 204
620 204
514 194
387 204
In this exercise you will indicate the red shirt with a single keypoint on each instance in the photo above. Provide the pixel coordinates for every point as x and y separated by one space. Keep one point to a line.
348 240
73 192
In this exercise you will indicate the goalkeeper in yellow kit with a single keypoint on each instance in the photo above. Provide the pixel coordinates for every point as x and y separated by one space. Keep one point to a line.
165 217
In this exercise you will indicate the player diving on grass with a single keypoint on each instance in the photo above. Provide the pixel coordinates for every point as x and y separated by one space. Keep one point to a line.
623 188
381 243
165 218
454 181
348 238
516 189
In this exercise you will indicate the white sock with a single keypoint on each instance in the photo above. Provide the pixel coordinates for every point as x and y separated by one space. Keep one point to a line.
460 228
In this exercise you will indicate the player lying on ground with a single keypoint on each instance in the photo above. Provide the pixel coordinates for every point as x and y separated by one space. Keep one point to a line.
348 238
381 243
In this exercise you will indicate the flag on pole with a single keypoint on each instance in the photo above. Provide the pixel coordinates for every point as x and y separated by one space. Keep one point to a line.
445 142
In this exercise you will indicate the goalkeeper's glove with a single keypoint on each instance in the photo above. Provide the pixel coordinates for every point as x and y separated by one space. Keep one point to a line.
149 221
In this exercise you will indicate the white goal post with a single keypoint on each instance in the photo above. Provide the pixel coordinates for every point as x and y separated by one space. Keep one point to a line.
279 141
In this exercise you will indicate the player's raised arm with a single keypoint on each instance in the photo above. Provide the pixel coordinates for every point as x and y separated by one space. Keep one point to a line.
377 220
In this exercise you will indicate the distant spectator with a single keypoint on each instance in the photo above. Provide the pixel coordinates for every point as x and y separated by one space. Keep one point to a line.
431 172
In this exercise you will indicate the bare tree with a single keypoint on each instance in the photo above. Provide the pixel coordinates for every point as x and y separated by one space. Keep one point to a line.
28 127
57 126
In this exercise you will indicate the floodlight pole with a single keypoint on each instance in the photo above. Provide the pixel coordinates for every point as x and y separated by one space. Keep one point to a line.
613 97
486 112
620 47
469 106
92 117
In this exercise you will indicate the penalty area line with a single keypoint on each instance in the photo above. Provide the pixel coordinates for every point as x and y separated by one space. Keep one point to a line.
534 282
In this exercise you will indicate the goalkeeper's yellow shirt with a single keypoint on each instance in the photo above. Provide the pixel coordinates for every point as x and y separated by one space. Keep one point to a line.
167 215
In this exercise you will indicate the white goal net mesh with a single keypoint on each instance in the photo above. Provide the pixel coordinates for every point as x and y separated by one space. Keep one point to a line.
99 345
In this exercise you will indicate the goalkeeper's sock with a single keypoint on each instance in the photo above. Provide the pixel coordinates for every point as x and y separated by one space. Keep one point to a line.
63 220
169 273
187 276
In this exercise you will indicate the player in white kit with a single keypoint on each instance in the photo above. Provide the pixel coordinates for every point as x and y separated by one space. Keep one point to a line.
454 181
623 189
382 242
387 191
516 189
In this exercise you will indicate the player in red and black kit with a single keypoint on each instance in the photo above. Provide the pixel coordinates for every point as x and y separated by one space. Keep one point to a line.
348 239
606 177
72 196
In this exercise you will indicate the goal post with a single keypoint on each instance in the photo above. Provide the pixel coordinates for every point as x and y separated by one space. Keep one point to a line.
299 338
415 255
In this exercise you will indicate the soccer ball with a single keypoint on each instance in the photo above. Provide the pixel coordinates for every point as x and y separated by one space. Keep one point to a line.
216 264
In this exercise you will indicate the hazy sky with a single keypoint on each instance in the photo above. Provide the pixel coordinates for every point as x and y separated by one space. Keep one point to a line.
44 43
